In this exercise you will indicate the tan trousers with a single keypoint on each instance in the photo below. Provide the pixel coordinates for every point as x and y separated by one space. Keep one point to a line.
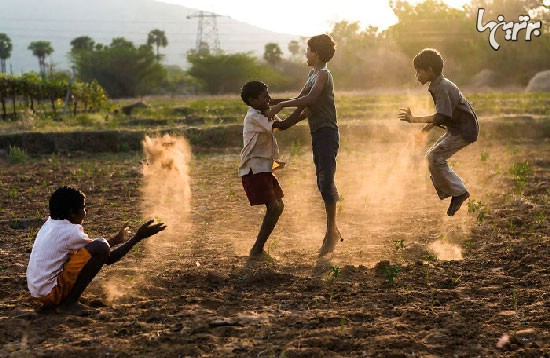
444 179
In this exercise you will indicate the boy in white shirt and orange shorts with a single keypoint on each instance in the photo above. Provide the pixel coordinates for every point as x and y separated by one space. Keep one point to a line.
64 260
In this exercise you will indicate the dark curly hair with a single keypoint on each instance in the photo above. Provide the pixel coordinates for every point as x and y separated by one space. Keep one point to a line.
65 201
252 89
427 58
323 45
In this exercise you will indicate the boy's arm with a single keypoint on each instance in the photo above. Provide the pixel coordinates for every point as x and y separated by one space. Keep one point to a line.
120 237
296 116
406 116
275 101
305 99
146 230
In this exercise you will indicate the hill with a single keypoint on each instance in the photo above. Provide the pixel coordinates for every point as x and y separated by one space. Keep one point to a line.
59 21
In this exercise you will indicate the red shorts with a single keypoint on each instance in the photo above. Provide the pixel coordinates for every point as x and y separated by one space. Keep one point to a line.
261 188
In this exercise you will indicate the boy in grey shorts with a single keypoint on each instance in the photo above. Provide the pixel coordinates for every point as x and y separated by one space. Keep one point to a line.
454 113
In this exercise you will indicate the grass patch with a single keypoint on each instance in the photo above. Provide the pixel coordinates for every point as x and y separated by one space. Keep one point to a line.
520 172
17 155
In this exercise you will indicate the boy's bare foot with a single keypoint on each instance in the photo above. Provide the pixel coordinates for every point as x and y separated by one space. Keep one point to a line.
456 203
256 250
261 256
76 309
329 243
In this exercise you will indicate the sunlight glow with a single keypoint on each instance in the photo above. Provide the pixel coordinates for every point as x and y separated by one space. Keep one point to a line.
300 17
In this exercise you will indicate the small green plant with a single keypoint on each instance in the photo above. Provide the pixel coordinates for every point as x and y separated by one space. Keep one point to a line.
333 274
431 257
13 193
16 224
391 272
477 206
484 155
399 245
468 245
272 245
342 325
520 172
17 155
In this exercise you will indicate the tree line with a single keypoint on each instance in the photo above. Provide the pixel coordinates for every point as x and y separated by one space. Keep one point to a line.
365 58
30 92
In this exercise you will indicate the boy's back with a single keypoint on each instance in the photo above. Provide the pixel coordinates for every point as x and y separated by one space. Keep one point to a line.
54 243
451 103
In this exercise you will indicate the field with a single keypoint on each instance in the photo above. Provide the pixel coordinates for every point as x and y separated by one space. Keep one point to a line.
407 280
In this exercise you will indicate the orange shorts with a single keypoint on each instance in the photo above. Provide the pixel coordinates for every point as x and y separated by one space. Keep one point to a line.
67 278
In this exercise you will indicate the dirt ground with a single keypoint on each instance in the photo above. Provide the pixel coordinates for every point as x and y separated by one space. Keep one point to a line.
407 281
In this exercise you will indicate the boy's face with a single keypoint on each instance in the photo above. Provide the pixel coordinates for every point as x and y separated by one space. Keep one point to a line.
261 102
311 57
424 75
77 217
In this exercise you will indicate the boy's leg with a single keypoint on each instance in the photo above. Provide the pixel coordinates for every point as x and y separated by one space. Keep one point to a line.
99 251
445 180
325 145
274 209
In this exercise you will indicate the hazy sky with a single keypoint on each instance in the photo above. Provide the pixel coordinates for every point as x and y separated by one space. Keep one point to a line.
302 17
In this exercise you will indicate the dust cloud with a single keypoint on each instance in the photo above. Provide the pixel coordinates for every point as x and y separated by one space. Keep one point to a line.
166 190
166 197
387 195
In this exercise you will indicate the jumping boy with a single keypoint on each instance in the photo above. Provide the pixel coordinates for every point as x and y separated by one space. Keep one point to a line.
64 260
258 159
318 96
454 113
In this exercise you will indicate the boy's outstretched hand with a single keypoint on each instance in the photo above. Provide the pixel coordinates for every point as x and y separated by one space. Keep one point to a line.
148 229
121 236
405 114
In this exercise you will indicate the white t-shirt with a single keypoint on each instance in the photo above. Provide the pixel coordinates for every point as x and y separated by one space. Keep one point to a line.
259 144
55 241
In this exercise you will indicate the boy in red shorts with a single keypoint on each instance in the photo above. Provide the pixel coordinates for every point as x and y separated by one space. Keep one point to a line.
258 158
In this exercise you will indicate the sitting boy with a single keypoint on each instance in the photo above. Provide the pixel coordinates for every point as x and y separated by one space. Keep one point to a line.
259 157
64 260
454 113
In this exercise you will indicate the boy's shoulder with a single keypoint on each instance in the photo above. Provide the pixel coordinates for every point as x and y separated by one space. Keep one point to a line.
253 114
60 229
442 82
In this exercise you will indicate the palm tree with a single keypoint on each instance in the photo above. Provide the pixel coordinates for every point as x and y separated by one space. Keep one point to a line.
41 49
272 53
82 43
5 50
157 37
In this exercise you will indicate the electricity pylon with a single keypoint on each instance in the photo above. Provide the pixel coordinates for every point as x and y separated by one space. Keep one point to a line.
207 32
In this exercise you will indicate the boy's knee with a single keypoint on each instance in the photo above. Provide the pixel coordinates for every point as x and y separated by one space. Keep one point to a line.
276 208
99 248
434 159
